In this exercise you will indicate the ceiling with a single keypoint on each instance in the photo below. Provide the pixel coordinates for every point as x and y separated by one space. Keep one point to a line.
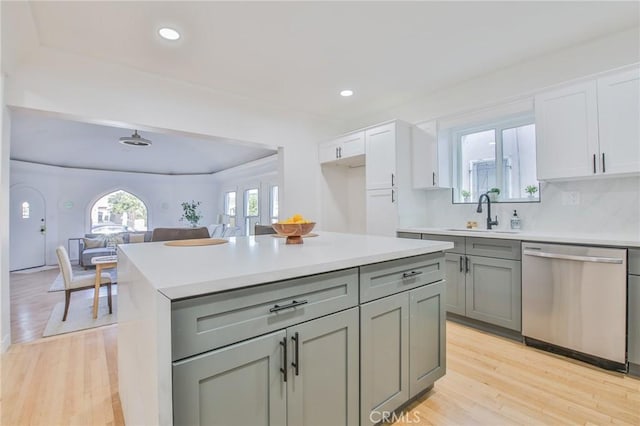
299 55
54 141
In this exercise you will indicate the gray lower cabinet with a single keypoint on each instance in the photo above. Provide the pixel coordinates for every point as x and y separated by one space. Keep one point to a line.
237 385
402 345
483 279
633 350
494 291
323 382
456 283
304 375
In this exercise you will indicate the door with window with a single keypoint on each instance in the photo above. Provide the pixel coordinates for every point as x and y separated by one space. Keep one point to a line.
27 231
251 209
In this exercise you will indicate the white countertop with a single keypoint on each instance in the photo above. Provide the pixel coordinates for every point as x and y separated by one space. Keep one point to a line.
179 272
569 238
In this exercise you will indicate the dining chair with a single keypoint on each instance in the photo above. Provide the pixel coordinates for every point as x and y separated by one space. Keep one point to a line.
74 282
263 229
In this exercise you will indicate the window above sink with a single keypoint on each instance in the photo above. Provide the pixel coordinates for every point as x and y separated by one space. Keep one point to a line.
493 153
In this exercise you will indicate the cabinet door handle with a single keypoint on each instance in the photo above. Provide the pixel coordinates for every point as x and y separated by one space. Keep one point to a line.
393 196
283 369
340 152
466 263
296 365
434 178
411 274
604 168
393 180
461 263
293 304
594 163
337 152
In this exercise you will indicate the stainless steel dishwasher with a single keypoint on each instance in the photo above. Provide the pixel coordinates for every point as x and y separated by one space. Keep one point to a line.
574 302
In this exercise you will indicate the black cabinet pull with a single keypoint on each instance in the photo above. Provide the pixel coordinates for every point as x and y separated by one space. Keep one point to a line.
594 163
339 152
393 180
296 365
283 369
393 195
293 304
411 274
337 155
604 168
434 178
466 262
461 264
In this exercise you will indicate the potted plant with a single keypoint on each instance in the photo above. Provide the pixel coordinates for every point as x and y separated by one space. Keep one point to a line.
465 195
531 190
494 193
191 213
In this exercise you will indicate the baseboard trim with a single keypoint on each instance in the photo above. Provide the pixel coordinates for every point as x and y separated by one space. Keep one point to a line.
483 326
6 342
634 370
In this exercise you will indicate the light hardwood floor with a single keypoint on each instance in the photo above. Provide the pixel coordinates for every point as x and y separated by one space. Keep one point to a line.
72 379
31 303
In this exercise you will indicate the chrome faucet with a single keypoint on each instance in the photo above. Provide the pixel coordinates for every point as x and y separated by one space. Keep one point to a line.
490 222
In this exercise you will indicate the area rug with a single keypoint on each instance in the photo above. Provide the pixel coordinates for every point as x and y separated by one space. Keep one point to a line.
80 316
58 283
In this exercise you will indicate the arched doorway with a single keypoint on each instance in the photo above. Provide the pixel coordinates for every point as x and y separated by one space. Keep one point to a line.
27 243
118 211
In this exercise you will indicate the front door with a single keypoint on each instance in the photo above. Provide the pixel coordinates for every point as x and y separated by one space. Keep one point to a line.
27 232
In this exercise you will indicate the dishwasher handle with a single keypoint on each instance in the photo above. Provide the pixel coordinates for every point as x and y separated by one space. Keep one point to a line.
577 258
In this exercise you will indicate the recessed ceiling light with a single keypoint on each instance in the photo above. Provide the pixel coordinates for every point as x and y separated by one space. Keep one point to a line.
346 93
169 33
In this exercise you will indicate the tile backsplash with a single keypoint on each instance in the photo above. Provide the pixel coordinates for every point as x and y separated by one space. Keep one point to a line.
606 207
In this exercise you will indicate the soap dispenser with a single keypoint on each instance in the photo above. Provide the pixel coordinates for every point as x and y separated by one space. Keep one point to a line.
515 221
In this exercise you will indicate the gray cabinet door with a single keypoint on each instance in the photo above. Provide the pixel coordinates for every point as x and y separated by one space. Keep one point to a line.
384 346
494 291
237 385
455 283
323 382
634 319
427 361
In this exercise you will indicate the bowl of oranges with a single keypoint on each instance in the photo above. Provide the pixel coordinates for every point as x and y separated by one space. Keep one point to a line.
294 228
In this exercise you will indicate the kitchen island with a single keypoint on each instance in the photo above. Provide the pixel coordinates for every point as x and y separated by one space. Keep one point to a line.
339 330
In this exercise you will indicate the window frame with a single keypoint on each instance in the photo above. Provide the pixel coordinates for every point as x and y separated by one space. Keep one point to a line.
498 125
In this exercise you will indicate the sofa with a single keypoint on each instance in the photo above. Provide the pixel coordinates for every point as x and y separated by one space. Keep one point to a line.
93 245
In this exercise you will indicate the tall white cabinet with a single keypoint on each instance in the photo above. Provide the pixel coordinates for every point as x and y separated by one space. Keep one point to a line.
590 128
391 200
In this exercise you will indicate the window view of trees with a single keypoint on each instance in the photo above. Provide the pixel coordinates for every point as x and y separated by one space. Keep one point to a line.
118 211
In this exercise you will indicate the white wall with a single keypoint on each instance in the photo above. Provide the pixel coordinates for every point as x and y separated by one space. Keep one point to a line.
608 206
162 194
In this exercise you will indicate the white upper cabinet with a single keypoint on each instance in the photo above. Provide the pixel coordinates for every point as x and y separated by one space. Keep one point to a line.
589 129
619 122
380 172
567 132
426 172
347 150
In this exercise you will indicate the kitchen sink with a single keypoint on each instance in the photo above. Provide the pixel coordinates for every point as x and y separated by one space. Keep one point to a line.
498 231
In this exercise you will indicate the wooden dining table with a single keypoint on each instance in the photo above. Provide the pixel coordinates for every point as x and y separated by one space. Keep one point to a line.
101 262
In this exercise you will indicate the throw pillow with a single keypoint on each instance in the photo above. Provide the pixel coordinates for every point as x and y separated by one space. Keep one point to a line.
115 239
90 243
136 238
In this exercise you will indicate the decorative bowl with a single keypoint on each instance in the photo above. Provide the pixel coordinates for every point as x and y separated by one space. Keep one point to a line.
293 231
